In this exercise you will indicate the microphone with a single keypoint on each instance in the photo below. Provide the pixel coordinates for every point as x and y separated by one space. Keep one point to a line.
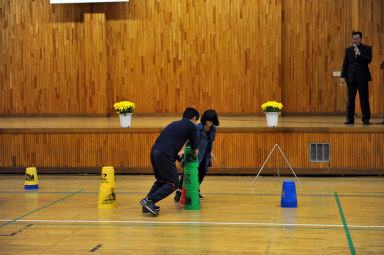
355 45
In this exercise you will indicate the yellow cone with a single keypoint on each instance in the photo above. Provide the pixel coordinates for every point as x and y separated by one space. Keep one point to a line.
31 181
108 177
107 185
107 198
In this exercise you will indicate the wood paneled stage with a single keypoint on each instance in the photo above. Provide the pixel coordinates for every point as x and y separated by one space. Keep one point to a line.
85 144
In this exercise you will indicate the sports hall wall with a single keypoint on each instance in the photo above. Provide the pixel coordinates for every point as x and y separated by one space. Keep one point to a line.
230 55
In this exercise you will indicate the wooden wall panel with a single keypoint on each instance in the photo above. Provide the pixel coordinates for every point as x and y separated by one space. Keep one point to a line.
348 150
315 35
165 55
77 150
41 62
372 26
234 150
95 61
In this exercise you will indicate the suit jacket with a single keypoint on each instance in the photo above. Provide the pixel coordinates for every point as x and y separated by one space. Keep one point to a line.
356 67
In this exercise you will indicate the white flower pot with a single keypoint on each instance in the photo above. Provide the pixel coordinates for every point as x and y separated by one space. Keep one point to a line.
272 119
125 119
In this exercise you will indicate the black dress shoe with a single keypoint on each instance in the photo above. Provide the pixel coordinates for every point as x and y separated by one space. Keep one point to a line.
349 122
366 123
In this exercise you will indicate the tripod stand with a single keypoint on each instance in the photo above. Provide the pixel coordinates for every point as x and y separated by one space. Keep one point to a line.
278 172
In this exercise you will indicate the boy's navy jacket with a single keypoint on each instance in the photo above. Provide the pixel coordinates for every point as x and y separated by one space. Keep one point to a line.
173 137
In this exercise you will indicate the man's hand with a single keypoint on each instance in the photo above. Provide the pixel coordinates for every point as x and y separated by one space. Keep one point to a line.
196 152
357 51
342 80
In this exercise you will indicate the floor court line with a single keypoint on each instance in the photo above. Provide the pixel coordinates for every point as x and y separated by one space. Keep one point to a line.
45 206
350 242
330 194
195 223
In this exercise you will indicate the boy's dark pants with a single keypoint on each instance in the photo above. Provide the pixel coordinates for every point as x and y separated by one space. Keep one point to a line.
167 177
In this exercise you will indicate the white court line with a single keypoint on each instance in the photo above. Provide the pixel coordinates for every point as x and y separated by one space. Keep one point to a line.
193 223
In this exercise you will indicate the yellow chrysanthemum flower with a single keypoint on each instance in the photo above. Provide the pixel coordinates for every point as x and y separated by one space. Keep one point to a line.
272 106
124 107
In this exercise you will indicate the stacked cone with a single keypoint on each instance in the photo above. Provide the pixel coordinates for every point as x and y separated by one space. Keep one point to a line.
191 181
183 191
31 181
107 196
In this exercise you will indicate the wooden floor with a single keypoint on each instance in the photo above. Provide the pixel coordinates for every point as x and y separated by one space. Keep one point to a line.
162 121
335 216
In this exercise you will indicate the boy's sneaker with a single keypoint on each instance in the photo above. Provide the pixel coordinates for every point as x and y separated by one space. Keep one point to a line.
177 196
157 208
201 197
149 205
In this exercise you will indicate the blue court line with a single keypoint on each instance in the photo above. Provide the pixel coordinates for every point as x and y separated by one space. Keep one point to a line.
345 225
45 206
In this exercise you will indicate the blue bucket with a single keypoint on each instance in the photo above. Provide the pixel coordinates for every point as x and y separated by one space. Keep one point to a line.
288 195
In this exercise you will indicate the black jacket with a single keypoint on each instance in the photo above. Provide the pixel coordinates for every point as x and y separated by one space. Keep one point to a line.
356 67
173 137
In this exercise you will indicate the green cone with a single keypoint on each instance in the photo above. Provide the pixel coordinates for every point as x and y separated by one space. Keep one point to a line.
190 159
192 200
191 180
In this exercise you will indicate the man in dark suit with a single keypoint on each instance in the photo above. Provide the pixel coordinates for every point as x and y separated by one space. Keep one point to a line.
356 73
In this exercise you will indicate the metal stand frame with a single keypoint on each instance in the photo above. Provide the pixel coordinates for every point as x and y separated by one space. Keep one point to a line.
277 161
